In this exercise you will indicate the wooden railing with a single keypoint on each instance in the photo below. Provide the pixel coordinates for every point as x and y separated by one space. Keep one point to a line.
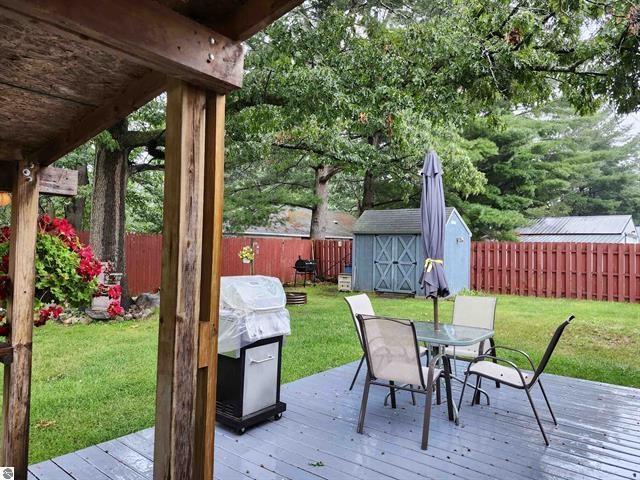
593 271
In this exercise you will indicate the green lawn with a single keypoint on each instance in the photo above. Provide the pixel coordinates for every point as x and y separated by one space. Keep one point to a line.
96 382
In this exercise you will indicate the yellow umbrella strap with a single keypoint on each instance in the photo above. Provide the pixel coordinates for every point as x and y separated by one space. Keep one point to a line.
428 263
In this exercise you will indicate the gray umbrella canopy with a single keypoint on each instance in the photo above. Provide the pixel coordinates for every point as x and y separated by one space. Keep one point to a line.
432 210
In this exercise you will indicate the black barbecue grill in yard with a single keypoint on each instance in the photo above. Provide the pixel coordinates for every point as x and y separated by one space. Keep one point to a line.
305 268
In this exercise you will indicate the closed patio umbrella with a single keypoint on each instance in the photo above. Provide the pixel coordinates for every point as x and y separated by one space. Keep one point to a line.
432 212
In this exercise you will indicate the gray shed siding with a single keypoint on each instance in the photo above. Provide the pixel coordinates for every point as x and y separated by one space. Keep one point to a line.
457 255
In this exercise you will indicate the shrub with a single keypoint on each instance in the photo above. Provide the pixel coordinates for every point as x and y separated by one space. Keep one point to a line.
66 270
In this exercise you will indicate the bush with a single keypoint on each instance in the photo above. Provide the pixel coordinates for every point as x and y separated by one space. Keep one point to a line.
66 270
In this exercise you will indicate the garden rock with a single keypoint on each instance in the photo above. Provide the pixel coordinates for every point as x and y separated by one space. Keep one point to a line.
147 301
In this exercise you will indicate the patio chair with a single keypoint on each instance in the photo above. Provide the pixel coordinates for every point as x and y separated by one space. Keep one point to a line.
393 358
361 305
479 312
507 373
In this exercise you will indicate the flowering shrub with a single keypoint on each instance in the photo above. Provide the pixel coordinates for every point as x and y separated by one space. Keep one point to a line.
246 253
66 270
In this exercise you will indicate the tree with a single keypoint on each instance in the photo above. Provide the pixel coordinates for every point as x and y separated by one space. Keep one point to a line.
365 88
120 154
552 162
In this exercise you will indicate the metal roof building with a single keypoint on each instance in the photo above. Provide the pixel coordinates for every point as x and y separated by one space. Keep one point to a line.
587 229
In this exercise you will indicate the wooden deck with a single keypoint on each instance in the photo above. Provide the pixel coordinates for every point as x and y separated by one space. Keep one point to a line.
598 437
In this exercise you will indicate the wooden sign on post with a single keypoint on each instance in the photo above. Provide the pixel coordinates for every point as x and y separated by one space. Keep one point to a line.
60 182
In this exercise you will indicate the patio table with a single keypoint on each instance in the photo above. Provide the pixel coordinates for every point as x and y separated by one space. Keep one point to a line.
449 335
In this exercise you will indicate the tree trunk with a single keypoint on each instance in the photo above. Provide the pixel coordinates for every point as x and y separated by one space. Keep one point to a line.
320 212
368 192
74 210
108 205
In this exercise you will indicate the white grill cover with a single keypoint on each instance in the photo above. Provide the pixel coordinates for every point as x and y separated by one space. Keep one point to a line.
251 308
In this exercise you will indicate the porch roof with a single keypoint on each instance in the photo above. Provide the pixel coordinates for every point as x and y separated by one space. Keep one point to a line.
72 68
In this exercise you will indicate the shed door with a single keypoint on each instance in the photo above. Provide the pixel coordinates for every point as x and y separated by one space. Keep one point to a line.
404 264
394 263
382 263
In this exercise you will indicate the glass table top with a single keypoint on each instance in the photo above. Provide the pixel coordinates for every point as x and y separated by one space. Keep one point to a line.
447 334
451 335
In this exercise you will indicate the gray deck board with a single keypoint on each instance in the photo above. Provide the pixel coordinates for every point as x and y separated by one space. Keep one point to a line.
598 437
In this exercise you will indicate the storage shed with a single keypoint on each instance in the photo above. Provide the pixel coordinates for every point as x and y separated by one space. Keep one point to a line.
388 255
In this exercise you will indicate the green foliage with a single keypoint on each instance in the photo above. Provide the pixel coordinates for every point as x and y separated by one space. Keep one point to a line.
369 87
57 277
550 162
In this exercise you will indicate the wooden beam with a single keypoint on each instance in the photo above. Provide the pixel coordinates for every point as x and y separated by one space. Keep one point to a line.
54 181
210 289
144 32
180 285
130 99
17 374
9 152
252 16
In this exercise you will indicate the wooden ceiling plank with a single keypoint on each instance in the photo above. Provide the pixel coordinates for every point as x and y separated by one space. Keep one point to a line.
143 32
9 152
133 97
252 17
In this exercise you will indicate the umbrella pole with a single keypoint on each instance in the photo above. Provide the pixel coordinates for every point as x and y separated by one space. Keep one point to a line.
436 322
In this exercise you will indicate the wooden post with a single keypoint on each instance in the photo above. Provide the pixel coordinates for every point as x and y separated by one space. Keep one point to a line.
175 439
210 291
191 266
17 374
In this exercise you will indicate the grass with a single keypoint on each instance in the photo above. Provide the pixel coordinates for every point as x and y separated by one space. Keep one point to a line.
96 382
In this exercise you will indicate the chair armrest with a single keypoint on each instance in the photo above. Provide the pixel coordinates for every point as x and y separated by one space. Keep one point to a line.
493 349
497 359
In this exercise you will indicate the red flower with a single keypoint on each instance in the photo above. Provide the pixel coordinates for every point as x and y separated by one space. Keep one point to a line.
63 228
52 311
115 292
5 287
5 234
4 264
89 267
115 309
5 330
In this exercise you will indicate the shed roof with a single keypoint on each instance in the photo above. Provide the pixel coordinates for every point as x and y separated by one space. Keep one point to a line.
582 225
401 221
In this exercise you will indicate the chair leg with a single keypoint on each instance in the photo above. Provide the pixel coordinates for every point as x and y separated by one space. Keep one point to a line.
475 391
413 396
464 386
438 392
427 412
544 394
363 405
392 394
355 377
535 413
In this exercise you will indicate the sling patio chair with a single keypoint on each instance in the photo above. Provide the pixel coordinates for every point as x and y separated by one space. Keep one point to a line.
479 312
393 360
361 305
506 372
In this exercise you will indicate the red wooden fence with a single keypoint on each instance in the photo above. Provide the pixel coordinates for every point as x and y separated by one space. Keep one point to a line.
593 271
274 257
332 256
